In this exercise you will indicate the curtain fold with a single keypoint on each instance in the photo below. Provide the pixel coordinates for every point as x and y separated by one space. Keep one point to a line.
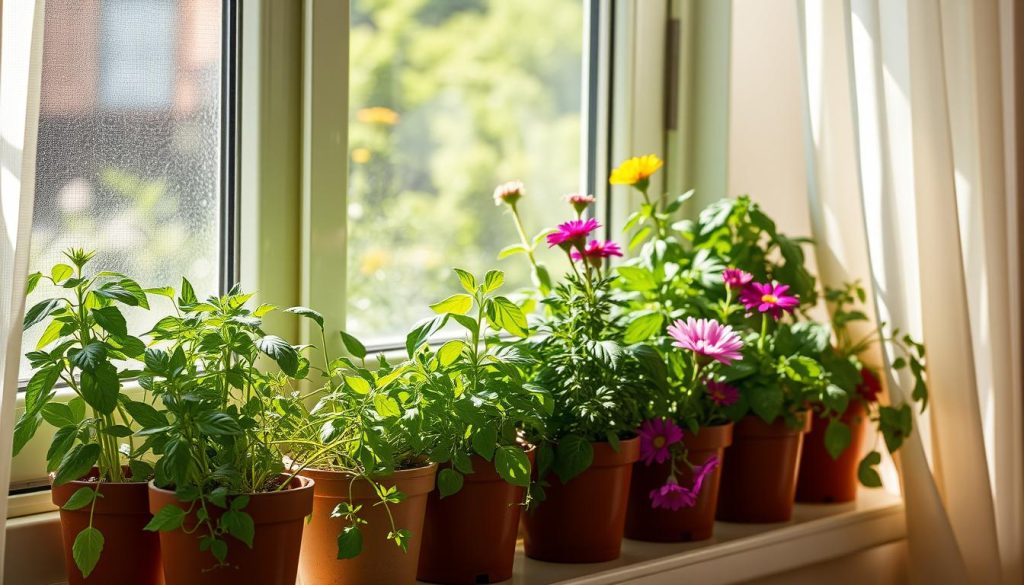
906 189
21 44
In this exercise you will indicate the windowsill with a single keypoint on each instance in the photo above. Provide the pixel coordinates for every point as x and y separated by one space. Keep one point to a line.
738 553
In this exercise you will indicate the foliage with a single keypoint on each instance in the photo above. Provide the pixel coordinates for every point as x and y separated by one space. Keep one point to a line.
83 338
219 410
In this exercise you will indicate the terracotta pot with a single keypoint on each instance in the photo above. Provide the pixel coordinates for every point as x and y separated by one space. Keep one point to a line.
130 554
274 557
824 480
582 521
697 523
470 537
759 477
381 562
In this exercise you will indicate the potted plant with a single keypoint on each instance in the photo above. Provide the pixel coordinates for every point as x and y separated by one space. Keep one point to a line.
98 483
831 466
361 441
475 406
596 382
224 508
674 491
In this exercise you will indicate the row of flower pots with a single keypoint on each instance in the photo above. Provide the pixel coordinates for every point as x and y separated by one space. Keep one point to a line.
645 399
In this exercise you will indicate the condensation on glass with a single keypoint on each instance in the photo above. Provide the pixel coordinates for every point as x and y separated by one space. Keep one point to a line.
130 142
449 98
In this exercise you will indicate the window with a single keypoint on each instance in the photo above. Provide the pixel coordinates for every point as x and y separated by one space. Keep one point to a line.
132 146
448 99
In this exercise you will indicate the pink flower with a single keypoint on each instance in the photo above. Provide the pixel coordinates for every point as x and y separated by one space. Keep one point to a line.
736 278
672 496
572 232
657 435
579 201
595 251
509 192
721 393
768 298
707 337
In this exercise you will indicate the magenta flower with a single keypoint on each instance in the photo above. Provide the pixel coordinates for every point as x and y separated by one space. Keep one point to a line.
707 337
768 298
657 435
736 278
672 496
509 192
572 233
596 251
721 393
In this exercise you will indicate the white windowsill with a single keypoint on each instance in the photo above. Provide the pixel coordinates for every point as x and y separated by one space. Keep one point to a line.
737 553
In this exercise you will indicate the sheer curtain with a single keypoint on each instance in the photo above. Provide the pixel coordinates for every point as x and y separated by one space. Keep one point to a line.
906 164
21 23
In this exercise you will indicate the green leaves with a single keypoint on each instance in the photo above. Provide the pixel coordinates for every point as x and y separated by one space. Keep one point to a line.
423 331
111 320
637 279
87 549
573 455
493 280
766 402
100 387
449 352
484 442
170 517
642 327
90 357
281 352
82 497
504 314
307 313
353 345
449 482
239 524
217 424
40 311
459 304
837 438
350 542
78 461
386 406
513 465
467 280
866 472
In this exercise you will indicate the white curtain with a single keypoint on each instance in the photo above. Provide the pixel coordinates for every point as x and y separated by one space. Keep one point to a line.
21 24
907 166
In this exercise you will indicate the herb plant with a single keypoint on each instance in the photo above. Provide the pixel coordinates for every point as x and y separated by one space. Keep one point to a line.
86 334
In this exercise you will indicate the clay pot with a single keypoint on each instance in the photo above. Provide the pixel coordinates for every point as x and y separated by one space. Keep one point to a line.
686 524
274 557
759 477
470 537
582 521
130 554
824 480
381 561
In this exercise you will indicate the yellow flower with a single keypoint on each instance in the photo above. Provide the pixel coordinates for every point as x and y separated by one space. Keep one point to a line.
374 260
635 170
378 115
361 155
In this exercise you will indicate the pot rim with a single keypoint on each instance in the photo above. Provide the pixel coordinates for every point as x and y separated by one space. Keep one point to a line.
304 482
752 426
717 437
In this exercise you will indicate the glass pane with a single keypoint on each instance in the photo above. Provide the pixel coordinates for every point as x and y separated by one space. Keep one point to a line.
448 99
130 143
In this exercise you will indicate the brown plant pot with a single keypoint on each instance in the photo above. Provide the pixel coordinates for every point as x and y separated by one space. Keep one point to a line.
582 521
130 554
274 557
470 537
686 524
381 562
759 478
824 480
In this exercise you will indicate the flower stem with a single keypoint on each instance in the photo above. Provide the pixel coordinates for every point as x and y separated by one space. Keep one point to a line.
764 332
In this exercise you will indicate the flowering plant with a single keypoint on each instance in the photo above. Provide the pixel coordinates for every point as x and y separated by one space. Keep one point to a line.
596 381
894 423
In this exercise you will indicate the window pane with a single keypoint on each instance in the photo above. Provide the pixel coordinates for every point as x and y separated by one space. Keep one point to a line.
448 99
129 159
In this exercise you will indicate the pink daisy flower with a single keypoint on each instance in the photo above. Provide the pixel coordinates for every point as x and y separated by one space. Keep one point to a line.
657 435
721 393
707 337
672 496
596 251
736 278
579 201
768 298
509 192
572 232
